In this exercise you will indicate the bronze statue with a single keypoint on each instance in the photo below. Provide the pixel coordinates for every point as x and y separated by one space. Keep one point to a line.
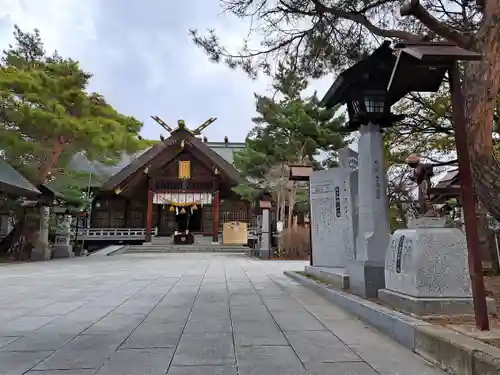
422 174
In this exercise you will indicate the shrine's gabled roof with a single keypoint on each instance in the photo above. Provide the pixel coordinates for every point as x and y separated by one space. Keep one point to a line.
104 171
143 160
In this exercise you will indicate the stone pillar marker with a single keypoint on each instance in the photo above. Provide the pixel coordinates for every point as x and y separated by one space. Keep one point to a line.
265 242
366 270
63 247
41 250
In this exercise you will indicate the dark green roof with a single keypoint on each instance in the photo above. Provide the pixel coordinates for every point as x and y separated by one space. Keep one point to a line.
13 183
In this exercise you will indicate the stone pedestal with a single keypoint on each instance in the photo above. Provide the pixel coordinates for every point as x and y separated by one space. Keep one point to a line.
366 270
265 239
426 270
62 247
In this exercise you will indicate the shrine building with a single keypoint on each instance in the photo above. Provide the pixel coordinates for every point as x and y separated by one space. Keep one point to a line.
182 184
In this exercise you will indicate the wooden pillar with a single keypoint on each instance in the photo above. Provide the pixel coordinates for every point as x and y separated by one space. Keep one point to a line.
126 215
216 206
149 216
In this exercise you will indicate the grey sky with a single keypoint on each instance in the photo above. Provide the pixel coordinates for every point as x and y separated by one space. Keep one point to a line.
144 61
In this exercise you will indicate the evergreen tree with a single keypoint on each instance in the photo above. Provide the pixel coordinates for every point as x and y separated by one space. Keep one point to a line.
47 115
290 130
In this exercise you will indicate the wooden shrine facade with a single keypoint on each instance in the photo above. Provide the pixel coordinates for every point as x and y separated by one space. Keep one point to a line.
180 174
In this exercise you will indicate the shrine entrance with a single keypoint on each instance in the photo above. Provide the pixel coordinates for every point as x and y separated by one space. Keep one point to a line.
195 222
181 212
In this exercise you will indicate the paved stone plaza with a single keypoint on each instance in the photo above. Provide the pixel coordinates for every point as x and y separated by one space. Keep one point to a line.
181 314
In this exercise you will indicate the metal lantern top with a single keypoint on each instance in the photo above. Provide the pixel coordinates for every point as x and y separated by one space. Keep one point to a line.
371 86
363 87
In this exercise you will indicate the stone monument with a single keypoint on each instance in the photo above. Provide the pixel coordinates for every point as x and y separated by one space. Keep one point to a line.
426 266
366 270
426 270
62 246
332 230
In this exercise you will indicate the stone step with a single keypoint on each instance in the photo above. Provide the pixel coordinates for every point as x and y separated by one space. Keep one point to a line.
198 240
152 248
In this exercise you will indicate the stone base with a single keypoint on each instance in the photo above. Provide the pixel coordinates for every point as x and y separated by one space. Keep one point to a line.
62 252
430 306
428 263
38 255
365 278
338 277
264 254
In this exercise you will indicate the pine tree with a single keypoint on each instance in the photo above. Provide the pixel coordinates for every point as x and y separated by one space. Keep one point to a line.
47 115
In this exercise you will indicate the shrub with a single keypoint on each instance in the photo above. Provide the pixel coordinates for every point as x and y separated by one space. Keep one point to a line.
295 243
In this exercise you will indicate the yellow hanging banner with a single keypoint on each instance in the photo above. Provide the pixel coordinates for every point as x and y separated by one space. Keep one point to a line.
184 169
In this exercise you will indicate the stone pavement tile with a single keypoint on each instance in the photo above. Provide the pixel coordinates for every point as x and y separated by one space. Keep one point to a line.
240 287
7 340
297 321
270 293
107 302
283 304
63 372
211 307
189 281
123 324
202 370
393 359
268 360
85 351
154 335
212 298
138 362
84 315
329 312
213 284
320 346
34 303
58 308
250 313
205 349
8 314
20 362
24 325
40 340
356 332
168 314
178 300
258 333
340 368
132 307
245 300
209 323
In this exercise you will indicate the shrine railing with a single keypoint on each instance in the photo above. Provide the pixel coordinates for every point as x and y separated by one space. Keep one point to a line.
103 234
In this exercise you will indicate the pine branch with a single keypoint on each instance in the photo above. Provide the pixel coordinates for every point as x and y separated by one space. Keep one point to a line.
415 9
362 20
